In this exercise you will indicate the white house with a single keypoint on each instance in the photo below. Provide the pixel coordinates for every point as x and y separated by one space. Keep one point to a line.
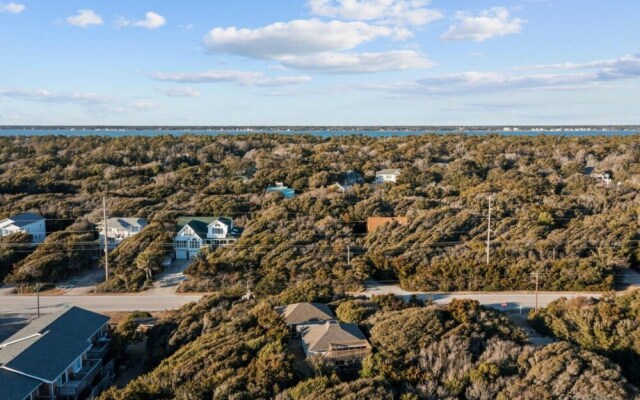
387 175
30 223
118 229
194 233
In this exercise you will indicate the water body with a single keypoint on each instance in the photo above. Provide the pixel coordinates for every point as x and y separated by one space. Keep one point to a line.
314 132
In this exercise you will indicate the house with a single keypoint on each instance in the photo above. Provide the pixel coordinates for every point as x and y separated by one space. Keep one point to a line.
286 191
59 356
373 223
605 177
348 179
299 315
387 175
30 223
343 344
194 233
118 229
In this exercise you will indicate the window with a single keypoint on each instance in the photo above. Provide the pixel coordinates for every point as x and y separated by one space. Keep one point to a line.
218 231
181 243
194 244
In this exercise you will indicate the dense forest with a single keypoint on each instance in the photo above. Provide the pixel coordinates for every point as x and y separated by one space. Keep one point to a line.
222 348
550 213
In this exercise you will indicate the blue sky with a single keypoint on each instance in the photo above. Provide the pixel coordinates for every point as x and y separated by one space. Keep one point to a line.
319 62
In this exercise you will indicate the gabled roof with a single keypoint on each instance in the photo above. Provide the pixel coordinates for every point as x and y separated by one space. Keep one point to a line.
198 224
123 223
320 338
48 345
24 219
225 220
300 313
14 386
393 171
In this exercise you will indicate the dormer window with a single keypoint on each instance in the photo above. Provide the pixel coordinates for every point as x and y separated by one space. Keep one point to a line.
218 231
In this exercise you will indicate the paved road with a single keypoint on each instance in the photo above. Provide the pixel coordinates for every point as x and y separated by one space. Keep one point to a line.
98 303
512 300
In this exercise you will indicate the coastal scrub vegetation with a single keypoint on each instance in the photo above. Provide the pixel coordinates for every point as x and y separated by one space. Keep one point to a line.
550 212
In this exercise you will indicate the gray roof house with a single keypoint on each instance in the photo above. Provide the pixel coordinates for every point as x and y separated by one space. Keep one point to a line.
59 355
118 229
344 344
387 175
30 223
301 314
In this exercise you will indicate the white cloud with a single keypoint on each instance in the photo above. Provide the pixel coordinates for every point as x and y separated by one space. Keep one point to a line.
244 78
572 76
397 12
181 91
349 63
298 37
488 24
82 98
85 18
12 8
152 20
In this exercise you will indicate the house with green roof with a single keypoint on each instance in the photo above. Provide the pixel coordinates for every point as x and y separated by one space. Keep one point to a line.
57 356
195 233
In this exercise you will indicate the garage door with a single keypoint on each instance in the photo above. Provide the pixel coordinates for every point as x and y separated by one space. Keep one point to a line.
181 254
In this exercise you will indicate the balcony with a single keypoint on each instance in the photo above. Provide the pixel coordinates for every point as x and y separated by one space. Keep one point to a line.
78 381
99 349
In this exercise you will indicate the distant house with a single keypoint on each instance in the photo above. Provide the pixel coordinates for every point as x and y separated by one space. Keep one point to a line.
347 180
118 229
194 233
373 223
343 344
605 177
286 191
299 315
30 223
58 356
387 175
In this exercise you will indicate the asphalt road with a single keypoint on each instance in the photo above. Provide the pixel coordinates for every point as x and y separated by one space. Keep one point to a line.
14 304
498 300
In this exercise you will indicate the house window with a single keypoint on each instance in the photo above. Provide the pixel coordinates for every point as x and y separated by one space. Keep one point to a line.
181 243
218 231
194 244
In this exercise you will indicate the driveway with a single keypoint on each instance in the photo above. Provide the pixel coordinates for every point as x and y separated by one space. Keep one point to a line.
167 281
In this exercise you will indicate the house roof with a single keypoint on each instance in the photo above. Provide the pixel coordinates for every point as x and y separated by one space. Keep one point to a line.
24 219
123 223
319 338
374 223
299 313
285 190
393 171
59 338
200 225
14 386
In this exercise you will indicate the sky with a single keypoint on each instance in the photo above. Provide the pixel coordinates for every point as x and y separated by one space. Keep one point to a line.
319 62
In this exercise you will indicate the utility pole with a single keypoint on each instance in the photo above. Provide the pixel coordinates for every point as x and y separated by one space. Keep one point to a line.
348 255
537 282
106 240
38 297
489 233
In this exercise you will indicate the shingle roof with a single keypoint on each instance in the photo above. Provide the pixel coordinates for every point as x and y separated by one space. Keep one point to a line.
14 386
198 224
388 171
124 223
299 313
319 338
58 338
25 219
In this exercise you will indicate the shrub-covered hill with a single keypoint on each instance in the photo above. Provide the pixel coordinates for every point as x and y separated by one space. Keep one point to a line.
221 349
549 213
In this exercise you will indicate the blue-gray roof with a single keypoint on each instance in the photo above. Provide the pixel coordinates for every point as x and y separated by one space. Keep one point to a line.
50 344
25 219
15 386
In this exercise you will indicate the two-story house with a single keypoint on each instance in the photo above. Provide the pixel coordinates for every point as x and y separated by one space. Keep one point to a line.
194 233
30 223
343 344
118 229
60 356
387 175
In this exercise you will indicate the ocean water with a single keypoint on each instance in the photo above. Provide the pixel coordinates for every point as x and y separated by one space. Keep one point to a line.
314 132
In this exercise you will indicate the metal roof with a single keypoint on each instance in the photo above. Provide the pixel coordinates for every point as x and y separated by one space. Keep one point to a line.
49 344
